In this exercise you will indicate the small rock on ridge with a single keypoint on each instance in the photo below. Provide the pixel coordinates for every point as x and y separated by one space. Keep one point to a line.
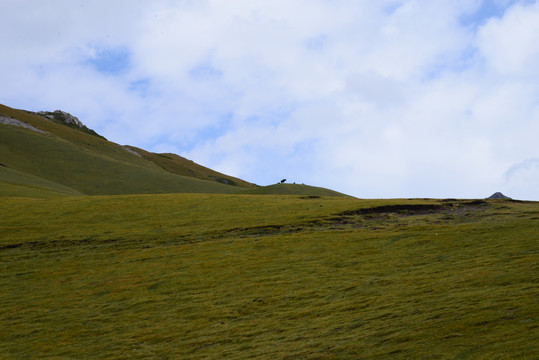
498 195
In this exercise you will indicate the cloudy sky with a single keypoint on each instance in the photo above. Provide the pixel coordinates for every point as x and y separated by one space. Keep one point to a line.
374 98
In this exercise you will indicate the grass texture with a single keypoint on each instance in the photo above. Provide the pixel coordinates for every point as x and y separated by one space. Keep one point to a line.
202 276
14 183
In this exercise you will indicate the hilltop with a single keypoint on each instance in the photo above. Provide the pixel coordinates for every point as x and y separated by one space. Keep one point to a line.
54 153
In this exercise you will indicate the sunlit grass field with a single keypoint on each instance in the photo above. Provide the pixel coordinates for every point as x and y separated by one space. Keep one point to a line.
197 276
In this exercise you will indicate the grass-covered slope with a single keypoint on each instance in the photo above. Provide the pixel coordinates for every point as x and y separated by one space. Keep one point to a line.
179 165
75 137
79 159
255 277
14 183
86 163
90 172
292 189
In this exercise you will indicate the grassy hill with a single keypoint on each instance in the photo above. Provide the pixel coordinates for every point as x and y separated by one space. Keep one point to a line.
211 276
178 165
91 172
292 189
81 160
86 163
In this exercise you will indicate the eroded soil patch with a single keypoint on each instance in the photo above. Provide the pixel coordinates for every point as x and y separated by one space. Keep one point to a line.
378 218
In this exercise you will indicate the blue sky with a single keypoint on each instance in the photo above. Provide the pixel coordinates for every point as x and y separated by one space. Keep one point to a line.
377 99
109 60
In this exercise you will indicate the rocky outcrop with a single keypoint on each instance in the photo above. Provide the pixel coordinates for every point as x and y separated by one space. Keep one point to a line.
63 116
66 118
15 122
498 195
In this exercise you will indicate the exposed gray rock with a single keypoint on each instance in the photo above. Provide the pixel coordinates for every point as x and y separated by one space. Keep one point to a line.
63 116
15 122
131 151
498 195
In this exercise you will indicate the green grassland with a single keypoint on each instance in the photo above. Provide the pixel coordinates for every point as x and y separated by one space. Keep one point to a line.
215 276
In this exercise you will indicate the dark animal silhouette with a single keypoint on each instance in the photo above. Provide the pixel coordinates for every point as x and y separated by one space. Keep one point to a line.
283 180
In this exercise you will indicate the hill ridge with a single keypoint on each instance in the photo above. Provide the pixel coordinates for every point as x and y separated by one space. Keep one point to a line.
61 149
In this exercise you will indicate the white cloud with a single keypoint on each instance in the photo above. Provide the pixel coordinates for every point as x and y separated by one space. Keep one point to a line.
522 180
393 98
510 45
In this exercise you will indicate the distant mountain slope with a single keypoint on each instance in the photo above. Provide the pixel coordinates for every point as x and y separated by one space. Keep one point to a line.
50 153
86 163
91 172
178 165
